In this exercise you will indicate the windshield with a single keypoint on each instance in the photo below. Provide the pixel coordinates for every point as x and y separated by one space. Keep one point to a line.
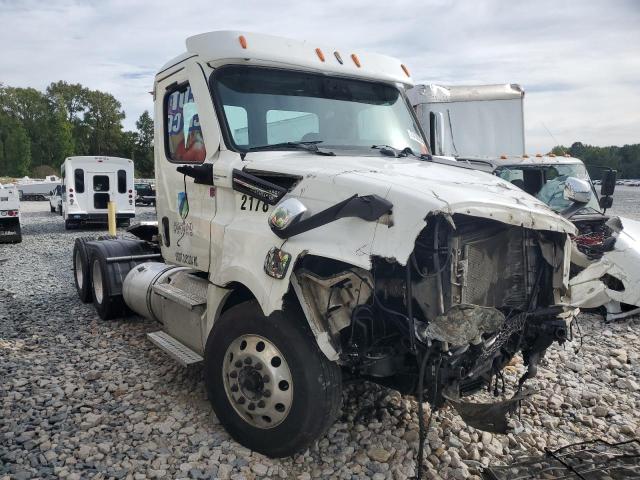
264 106
546 182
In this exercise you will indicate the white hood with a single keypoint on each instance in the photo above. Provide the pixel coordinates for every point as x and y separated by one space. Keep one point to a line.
421 186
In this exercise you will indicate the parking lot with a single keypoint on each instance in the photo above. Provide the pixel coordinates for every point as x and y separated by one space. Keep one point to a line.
84 398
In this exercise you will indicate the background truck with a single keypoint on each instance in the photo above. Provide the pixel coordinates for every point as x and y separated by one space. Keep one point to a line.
55 200
10 230
89 183
305 233
36 189
606 251
478 120
145 193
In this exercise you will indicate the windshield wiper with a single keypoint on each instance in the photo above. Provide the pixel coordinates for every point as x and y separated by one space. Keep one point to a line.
395 152
307 146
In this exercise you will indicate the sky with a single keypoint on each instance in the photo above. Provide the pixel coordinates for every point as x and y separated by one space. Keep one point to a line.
578 61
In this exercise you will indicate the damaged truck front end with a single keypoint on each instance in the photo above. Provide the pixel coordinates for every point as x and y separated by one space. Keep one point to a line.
473 293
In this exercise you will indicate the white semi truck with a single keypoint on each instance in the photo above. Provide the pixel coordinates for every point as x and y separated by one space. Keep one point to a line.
305 234
89 183
10 229
482 126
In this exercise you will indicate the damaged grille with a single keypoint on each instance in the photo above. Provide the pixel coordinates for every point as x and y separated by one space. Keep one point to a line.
493 266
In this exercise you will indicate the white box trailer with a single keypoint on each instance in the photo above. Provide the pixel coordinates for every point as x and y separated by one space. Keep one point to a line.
36 189
90 182
10 231
478 120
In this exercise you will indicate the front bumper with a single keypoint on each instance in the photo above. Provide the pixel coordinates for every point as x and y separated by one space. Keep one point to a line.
97 217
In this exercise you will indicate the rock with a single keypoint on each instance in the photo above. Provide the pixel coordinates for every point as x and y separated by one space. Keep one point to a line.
224 471
378 454
259 469
600 411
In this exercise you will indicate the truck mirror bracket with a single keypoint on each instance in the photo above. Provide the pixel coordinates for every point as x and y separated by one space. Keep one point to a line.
201 174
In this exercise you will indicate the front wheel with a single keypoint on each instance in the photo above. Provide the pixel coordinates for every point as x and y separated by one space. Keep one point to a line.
52 208
268 382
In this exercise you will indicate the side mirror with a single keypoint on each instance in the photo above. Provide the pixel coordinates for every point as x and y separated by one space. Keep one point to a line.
576 190
606 202
287 213
608 183
202 174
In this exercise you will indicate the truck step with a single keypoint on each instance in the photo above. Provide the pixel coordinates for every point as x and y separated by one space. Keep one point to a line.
176 350
186 299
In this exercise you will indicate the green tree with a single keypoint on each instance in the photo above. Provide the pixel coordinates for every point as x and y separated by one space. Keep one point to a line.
15 147
144 154
104 117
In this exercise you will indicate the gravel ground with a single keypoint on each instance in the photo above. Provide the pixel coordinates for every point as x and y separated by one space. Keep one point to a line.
82 398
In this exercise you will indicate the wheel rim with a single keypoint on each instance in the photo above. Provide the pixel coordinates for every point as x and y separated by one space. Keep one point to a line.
78 265
97 281
257 381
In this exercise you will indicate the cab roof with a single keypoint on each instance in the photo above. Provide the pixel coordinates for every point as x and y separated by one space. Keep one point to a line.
233 46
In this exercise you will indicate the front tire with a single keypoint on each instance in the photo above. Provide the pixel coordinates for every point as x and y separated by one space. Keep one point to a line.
268 382
52 208
70 224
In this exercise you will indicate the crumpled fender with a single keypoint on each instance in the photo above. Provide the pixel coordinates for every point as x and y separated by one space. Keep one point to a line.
623 263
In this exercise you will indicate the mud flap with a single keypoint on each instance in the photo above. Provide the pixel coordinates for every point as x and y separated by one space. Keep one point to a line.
490 417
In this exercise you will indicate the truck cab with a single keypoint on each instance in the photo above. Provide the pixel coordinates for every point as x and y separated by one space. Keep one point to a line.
305 234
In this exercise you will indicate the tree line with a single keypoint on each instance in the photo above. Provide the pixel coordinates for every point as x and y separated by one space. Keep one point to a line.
626 159
38 130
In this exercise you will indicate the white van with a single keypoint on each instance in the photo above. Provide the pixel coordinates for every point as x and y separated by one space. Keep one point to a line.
89 183
55 199
10 231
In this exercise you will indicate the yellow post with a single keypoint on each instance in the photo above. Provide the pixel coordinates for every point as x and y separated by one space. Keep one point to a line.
111 216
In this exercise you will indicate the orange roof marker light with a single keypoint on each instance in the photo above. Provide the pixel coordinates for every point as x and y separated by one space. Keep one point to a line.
525 156
320 54
243 41
539 155
355 59
503 157
552 155
405 69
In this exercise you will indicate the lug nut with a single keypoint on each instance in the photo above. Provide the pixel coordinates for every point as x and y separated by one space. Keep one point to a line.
238 364
234 388
258 366
252 406
233 374
266 393
247 360
261 404
265 378
241 400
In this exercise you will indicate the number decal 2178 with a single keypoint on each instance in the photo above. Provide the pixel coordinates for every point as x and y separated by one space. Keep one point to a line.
253 204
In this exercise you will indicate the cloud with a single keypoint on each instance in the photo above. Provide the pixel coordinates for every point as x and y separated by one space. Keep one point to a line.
579 61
